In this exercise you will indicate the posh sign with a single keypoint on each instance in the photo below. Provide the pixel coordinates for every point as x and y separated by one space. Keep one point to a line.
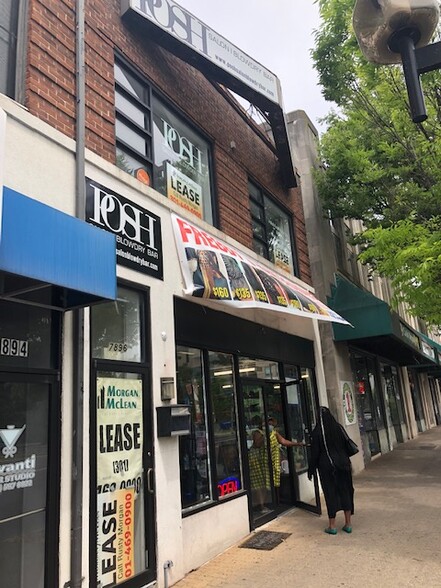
187 29
138 231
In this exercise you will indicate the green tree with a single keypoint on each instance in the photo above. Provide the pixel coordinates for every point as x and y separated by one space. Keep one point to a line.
378 166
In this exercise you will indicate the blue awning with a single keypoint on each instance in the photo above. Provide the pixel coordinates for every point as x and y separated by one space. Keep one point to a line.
52 259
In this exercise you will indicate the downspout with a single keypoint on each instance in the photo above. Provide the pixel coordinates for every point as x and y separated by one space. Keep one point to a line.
76 566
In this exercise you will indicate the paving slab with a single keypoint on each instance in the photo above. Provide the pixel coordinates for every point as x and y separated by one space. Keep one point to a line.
396 539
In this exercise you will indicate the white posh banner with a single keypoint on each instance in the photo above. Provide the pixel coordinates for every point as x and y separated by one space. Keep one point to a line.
216 271
188 29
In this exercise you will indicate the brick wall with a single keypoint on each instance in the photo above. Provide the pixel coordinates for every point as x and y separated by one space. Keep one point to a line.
50 95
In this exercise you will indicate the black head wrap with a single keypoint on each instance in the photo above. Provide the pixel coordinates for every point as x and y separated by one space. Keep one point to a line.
331 427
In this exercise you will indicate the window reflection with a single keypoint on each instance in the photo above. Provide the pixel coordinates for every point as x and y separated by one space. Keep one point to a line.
225 430
116 327
262 369
193 448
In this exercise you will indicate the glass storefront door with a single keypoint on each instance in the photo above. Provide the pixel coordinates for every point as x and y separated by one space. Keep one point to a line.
301 419
416 400
123 533
278 473
393 401
368 403
259 454
434 395
25 470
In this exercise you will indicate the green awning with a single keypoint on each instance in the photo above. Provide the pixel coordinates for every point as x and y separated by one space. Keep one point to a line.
378 329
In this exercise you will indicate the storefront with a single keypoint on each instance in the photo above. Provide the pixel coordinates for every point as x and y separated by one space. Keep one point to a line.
381 413
138 427
46 268
388 360
234 377
236 398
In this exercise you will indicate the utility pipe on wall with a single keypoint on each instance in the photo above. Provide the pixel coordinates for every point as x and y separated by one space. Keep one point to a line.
78 317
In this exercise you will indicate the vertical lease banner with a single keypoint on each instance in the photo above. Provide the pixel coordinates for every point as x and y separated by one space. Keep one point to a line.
115 537
119 475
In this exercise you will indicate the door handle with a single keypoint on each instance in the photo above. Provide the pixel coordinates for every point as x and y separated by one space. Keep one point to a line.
150 481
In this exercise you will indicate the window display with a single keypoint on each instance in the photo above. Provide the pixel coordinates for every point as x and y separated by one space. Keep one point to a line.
272 230
193 448
157 146
225 426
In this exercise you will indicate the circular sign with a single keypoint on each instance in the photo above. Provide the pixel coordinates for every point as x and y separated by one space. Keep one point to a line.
348 403
142 175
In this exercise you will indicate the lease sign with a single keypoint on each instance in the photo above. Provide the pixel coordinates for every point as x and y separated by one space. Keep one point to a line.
115 538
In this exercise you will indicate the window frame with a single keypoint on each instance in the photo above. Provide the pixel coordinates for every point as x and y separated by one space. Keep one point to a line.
262 222
215 499
14 69
143 367
148 161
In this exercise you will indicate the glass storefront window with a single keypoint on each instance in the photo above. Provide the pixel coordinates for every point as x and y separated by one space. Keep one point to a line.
271 226
225 428
120 481
24 422
116 330
370 364
193 448
8 45
26 337
258 368
366 394
301 410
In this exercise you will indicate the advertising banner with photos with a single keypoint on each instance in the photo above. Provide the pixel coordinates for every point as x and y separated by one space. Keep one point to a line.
217 271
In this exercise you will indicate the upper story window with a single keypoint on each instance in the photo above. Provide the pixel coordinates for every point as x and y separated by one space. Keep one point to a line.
345 252
158 147
272 230
8 45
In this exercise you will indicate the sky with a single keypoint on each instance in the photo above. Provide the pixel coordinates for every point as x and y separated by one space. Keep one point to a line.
279 35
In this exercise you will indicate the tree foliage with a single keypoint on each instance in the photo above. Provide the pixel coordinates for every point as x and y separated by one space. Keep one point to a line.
380 167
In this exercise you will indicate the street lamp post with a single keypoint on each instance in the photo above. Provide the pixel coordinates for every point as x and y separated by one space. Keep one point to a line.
394 31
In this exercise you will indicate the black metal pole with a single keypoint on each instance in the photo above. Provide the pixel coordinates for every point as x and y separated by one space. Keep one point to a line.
406 48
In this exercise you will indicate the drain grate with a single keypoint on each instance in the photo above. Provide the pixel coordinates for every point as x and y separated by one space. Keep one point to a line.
265 540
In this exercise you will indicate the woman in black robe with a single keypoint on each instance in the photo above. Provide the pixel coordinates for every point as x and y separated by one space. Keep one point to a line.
330 456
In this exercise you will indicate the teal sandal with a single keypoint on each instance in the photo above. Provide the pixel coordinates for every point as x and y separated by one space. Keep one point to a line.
347 529
330 531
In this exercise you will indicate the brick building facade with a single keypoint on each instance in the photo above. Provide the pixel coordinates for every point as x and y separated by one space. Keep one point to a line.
142 362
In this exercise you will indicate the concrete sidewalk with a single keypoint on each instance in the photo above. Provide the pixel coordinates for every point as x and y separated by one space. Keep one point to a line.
396 539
